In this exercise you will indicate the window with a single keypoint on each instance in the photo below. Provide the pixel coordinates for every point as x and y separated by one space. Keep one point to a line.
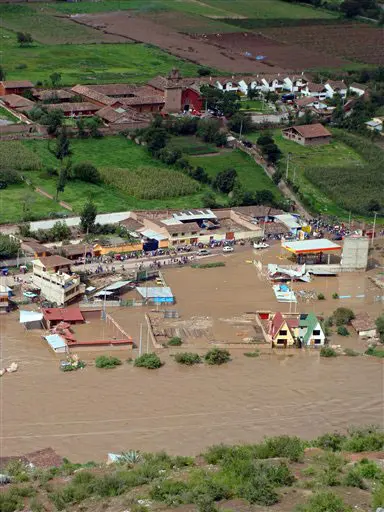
317 342
281 342
283 333
317 332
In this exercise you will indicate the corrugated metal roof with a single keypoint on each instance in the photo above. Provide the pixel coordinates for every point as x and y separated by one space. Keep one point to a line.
152 234
30 316
55 341
152 292
289 220
103 218
117 285
319 245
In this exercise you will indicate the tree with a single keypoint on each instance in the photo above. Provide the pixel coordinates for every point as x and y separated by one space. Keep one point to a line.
253 93
93 124
203 71
264 140
276 178
24 38
87 172
62 149
60 231
53 120
199 174
28 201
151 361
80 125
264 196
88 217
156 139
8 246
221 102
217 356
55 79
61 182
380 327
209 200
271 152
240 123
342 316
225 180
350 8
2 73
208 129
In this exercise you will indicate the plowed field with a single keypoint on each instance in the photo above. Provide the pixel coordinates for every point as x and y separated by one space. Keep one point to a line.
361 43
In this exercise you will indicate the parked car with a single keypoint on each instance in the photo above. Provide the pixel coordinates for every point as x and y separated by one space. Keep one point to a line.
227 248
260 245
203 252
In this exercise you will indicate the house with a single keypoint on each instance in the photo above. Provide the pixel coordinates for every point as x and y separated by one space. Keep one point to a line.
76 251
308 134
364 325
309 101
281 331
52 275
54 316
82 109
5 293
295 83
16 101
375 124
311 333
153 103
53 95
15 87
123 117
336 87
116 244
359 89
315 91
94 96
272 83
34 248
116 90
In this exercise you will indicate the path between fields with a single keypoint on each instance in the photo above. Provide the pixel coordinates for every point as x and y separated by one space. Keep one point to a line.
270 171
43 193
228 14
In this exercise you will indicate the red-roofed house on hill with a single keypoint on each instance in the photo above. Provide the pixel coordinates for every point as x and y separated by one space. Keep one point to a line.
15 87
281 329
308 134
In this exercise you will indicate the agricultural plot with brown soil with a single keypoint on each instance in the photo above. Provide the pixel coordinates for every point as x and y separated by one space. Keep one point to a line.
276 53
357 42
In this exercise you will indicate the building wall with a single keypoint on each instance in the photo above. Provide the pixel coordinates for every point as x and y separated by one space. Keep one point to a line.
287 338
318 141
320 338
55 292
355 253
191 98
172 100
99 250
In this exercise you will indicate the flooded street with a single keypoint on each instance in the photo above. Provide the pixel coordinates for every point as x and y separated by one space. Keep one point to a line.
86 414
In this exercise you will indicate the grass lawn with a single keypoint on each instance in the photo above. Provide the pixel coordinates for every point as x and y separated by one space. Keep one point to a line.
13 197
265 9
330 155
83 64
191 145
5 114
251 175
256 106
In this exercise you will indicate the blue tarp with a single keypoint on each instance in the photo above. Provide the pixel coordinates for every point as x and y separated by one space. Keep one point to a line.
155 292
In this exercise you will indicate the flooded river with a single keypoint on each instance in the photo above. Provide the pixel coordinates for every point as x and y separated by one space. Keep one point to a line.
86 414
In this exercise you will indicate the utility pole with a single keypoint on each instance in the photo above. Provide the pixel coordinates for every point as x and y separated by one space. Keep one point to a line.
241 129
349 221
147 338
373 230
294 174
287 169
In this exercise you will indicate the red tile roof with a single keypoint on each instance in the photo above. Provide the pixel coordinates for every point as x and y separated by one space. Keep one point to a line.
17 84
276 324
63 315
315 87
142 100
87 92
310 131
73 107
49 94
14 101
54 261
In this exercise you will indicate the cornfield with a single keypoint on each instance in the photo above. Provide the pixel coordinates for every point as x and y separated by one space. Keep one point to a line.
149 182
15 155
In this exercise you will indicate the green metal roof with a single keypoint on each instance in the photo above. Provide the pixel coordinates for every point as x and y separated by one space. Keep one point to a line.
309 323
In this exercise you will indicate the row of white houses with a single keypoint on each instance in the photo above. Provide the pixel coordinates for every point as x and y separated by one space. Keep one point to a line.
290 84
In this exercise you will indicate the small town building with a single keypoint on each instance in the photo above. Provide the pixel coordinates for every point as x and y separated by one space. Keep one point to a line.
280 331
308 134
53 316
334 87
304 249
359 89
315 90
76 251
57 343
116 244
311 333
52 275
290 221
364 325
375 124
31 319
53 95
123 117
15 87
16 102
82 109
156 294
93 96
5 293
34 248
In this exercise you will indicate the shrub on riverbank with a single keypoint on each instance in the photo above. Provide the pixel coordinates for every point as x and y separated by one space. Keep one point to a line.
187 358
327 352
217 356
107 362
151 361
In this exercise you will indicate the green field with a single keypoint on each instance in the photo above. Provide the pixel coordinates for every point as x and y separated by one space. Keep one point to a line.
190 145
265 9
324 159
5 114
251 175
83 64
256 106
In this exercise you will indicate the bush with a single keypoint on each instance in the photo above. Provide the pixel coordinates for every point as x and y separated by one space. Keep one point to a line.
150 361
328 352
256 353
175 342
86 172
259 491
354 479
212 264
187 358
335 295
107 362
370 469
169 492
324 502
342 331
350 352
378 497
343 316
217 356
9 176
332 441
375 351
291 448
216 453
320 296
365 439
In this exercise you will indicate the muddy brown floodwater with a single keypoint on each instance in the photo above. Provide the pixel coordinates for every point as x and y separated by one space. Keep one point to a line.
85 415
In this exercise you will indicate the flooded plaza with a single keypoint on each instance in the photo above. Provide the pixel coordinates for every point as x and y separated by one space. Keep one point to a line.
86 414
